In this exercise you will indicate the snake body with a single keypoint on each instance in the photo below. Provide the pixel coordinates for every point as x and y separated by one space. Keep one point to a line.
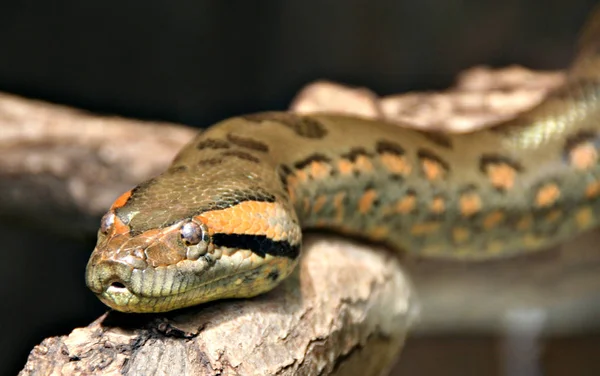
226 219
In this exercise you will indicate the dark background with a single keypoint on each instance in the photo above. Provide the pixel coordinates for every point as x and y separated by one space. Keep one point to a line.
196 62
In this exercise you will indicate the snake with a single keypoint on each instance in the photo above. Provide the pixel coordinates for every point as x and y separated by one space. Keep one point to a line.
226 219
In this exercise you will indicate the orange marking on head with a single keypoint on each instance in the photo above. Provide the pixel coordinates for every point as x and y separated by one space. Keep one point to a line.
395 164
345 167
251 218
437 205
584 217
319 203
501 175
583 156
366 201
424 228
406 204
338 204
122 200
469 204
319 170
460 234
432 169
363 164
119 228
492 219
547 195
525 222
379 232
593 189
553 215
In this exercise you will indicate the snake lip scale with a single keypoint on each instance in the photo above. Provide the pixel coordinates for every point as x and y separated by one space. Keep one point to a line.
225 220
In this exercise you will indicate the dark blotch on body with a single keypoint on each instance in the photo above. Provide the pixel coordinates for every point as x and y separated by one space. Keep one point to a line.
247 143
578 138
438 138
423 153
488 159
177 169
210 162
313 158
211 143
302 125
241 155
389 147
354 153
284 171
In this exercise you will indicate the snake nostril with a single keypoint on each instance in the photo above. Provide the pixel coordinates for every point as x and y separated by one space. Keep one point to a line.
117 285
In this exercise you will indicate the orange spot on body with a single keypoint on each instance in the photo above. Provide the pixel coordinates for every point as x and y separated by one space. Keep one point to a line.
363 164
338 204
584 217
492 219
547 195
495 247
469 204
437 205
532 241
366 201
593 189
306 205
406 204
319 203
302 176
345 167
379 232
432 169
319 170
460 234
121 200
425 228
525 223
501 175
395 164
583 156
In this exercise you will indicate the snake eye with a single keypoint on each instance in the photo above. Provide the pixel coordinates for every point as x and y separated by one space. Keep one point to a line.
106 222
195 237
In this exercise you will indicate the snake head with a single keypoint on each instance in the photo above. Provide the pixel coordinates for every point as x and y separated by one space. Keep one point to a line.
241 250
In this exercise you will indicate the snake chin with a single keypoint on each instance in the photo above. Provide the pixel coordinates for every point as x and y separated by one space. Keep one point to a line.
235 274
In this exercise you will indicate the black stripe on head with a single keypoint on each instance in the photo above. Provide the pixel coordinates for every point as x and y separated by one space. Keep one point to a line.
261 245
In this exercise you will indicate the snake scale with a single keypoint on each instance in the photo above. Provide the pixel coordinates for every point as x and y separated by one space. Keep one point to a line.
226 219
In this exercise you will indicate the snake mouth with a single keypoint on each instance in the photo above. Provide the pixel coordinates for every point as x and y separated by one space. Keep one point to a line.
187 283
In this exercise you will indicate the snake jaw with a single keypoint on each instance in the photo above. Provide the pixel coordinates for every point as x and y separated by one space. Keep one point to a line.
237 273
